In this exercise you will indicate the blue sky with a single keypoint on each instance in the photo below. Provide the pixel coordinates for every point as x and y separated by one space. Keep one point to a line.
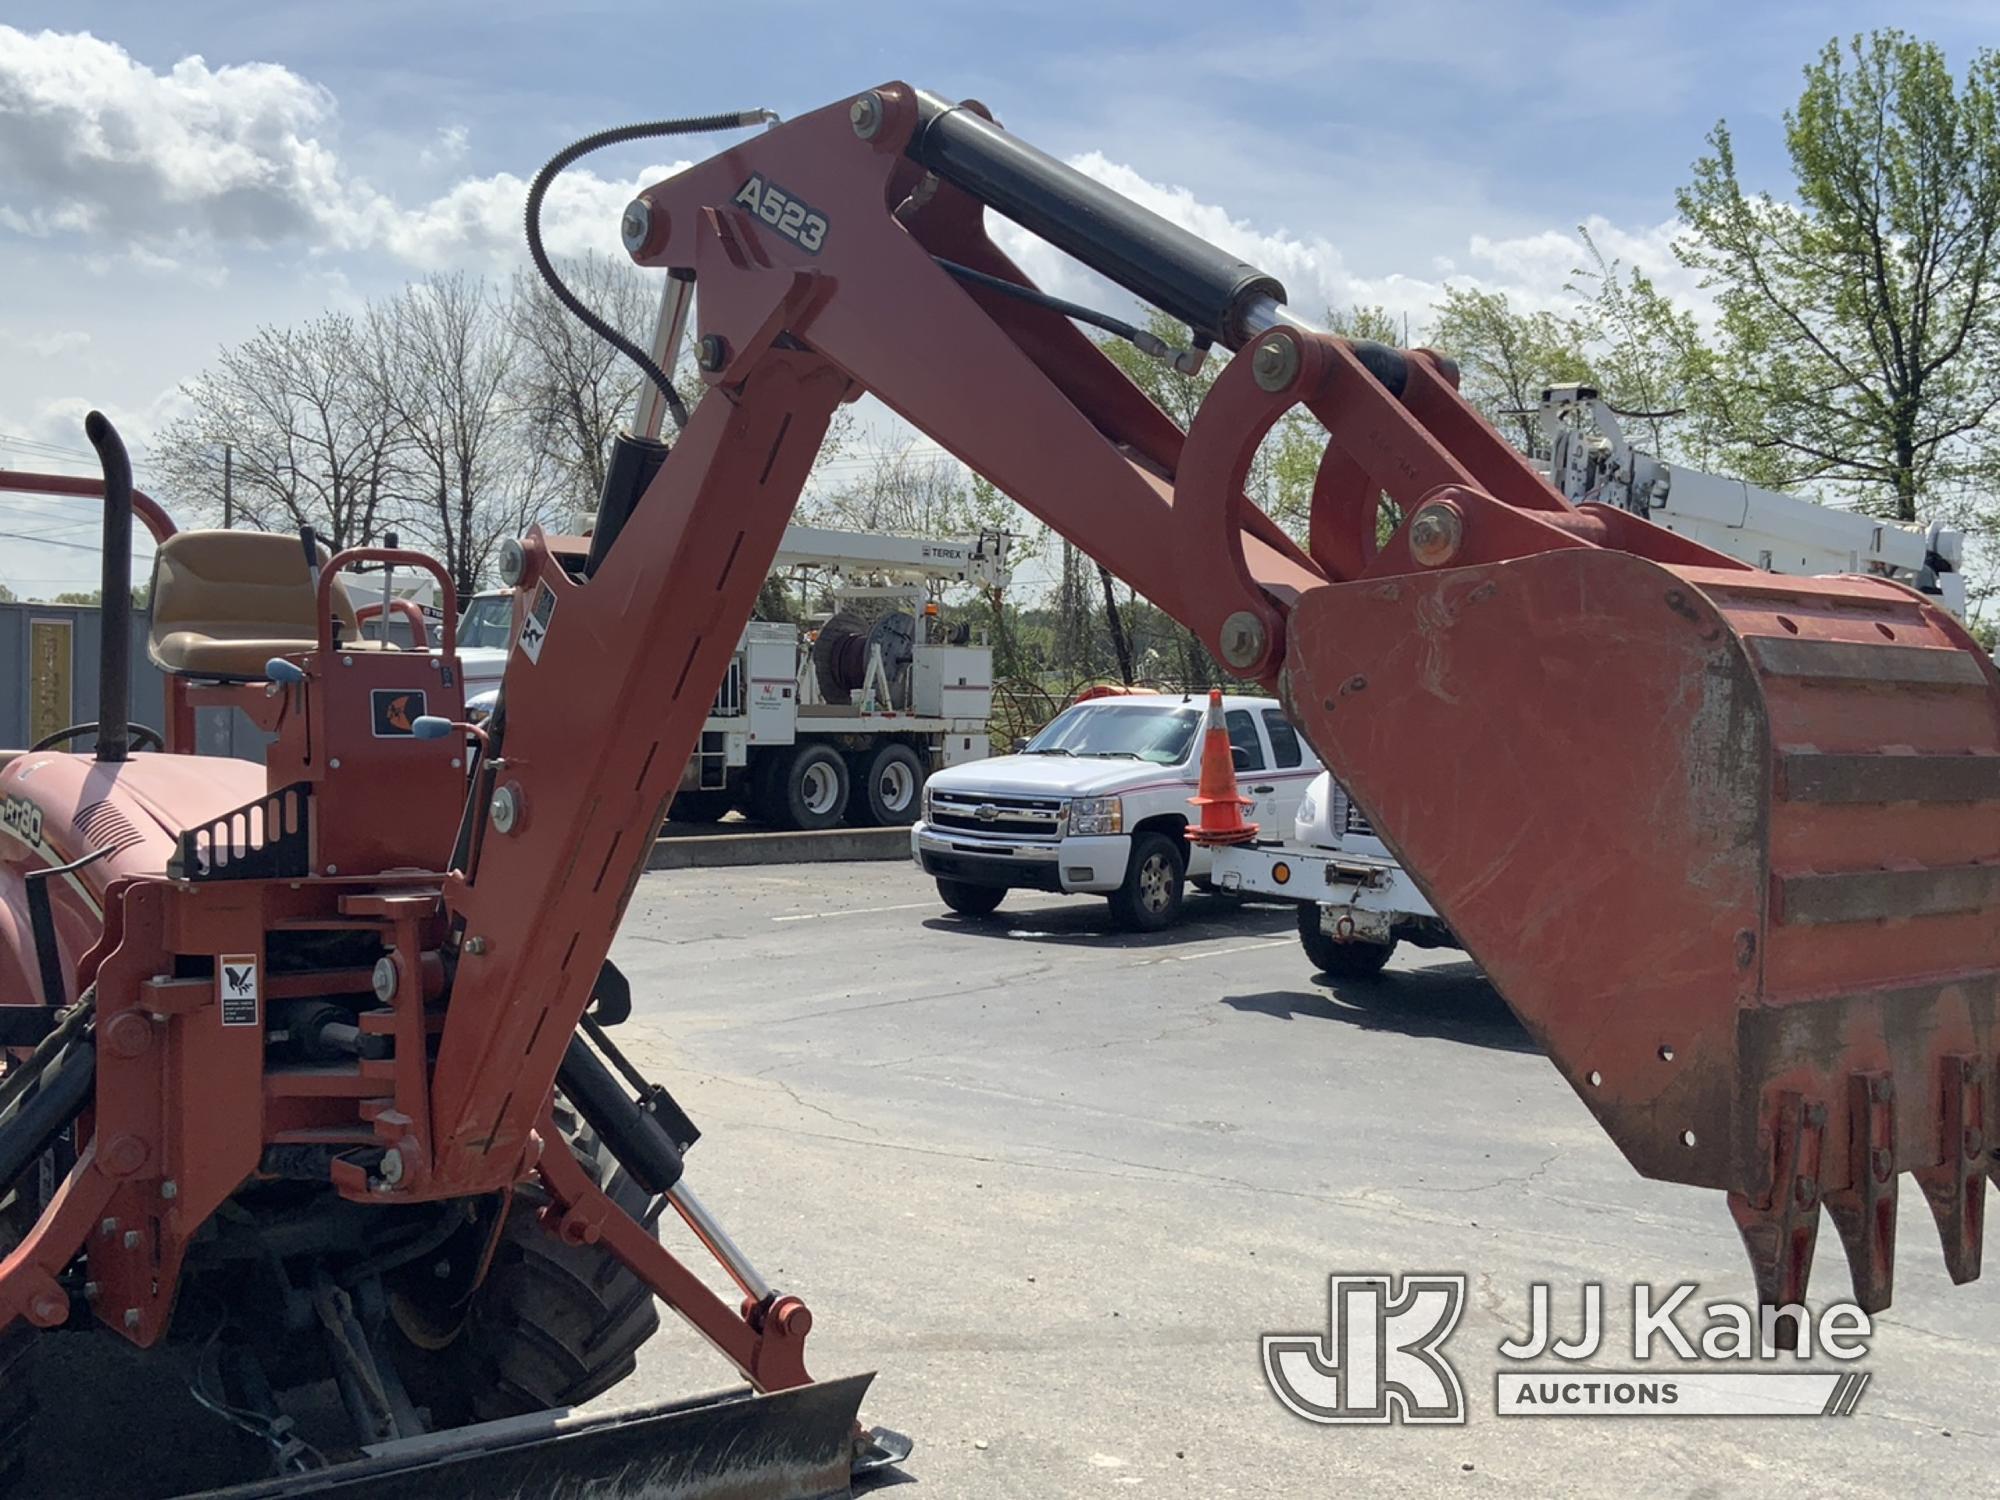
153 208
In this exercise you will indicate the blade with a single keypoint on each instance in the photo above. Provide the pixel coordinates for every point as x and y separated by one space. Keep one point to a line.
791 1445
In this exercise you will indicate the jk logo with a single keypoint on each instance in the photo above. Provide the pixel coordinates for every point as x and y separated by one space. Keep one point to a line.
1379 1359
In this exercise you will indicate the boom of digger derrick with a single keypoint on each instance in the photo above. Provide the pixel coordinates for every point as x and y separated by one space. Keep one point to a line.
1677 860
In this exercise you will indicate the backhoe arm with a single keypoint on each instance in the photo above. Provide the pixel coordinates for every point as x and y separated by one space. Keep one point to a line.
1724 841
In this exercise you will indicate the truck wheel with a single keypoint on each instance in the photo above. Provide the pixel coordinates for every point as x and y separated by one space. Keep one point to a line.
891 784
1150 898
1354 959
970 900
552 1324
813 793
762 801
699 806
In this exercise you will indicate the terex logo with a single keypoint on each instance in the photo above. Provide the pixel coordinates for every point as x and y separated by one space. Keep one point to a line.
1379 1360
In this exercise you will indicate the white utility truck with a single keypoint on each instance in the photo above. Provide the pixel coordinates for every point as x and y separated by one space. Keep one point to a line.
1356 903
843 718
1097 802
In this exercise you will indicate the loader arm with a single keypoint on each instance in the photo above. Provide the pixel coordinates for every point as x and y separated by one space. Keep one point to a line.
1724 841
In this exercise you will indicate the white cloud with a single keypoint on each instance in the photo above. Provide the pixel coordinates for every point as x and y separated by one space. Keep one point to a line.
91 139
44 345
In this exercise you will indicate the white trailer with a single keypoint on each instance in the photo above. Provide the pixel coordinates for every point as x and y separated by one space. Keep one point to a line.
1356 903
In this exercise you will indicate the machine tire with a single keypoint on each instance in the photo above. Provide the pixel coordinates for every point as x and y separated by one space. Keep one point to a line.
552 1325
1155 885
699 806
888 789
18 1348
969 899
1338 960
814 789
761 800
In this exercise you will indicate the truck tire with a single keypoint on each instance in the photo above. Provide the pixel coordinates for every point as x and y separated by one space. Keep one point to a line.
888 787
970 900
813 790
1155 883
762 802
552 1324
1353 959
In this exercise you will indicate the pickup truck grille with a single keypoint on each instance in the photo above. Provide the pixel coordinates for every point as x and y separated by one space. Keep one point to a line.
1345 816
1004 817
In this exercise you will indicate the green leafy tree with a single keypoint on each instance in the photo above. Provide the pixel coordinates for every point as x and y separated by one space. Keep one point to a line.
1860 330
1506 357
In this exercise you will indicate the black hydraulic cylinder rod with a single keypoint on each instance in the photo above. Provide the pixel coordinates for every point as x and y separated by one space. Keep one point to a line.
635 1137
114 653
634 462
64 1092
1158 262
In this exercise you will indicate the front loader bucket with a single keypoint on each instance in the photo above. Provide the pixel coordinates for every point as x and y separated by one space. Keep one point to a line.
796 1444
1729 845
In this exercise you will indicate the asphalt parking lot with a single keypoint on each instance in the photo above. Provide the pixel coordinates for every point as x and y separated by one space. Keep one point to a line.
1053 1182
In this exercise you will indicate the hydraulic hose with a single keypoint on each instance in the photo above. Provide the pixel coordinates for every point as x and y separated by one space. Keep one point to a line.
64 1092
544 179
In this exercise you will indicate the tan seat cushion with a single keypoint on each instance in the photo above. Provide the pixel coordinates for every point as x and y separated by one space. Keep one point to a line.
225 602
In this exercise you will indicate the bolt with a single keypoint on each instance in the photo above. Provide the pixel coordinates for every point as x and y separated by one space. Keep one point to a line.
1435 534
454 762
386 979
108 1227
392 1166
866 114
1806 1191
170 1189
131 1239
475 945
334 764
133 1317
347 661
1243 640
48 1309
90 1291
712 353
333 869
1879 1159
1276 362
636 224
505 809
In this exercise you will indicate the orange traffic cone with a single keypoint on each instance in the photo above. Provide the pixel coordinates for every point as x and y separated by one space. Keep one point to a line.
1220 803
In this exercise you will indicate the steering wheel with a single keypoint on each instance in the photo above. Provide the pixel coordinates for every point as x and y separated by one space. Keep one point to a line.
141 734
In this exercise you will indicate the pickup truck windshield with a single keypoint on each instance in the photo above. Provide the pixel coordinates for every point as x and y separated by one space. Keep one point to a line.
1119 730
488 621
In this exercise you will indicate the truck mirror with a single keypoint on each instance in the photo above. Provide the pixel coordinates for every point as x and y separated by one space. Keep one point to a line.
1020 744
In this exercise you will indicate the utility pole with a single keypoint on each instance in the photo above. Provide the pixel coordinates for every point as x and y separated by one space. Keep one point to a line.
228 491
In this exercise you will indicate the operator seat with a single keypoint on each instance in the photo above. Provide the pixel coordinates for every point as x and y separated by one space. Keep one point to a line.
225 602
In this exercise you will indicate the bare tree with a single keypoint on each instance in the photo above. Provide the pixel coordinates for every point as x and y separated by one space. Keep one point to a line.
313 442
444 349
570 389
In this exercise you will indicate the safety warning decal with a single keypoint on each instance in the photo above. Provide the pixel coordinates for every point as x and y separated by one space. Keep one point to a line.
535 629
236 975
396 711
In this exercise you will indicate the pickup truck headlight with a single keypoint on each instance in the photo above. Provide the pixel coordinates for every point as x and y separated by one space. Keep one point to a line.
925 805
1308 810
1097 815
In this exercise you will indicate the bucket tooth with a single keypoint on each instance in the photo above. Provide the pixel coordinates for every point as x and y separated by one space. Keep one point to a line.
1955 1187
1865 1212
1781 1232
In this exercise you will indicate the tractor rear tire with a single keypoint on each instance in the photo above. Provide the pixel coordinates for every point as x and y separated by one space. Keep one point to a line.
18 1347
553 1325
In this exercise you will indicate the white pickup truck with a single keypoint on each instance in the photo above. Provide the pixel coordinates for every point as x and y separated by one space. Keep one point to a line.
1097 802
